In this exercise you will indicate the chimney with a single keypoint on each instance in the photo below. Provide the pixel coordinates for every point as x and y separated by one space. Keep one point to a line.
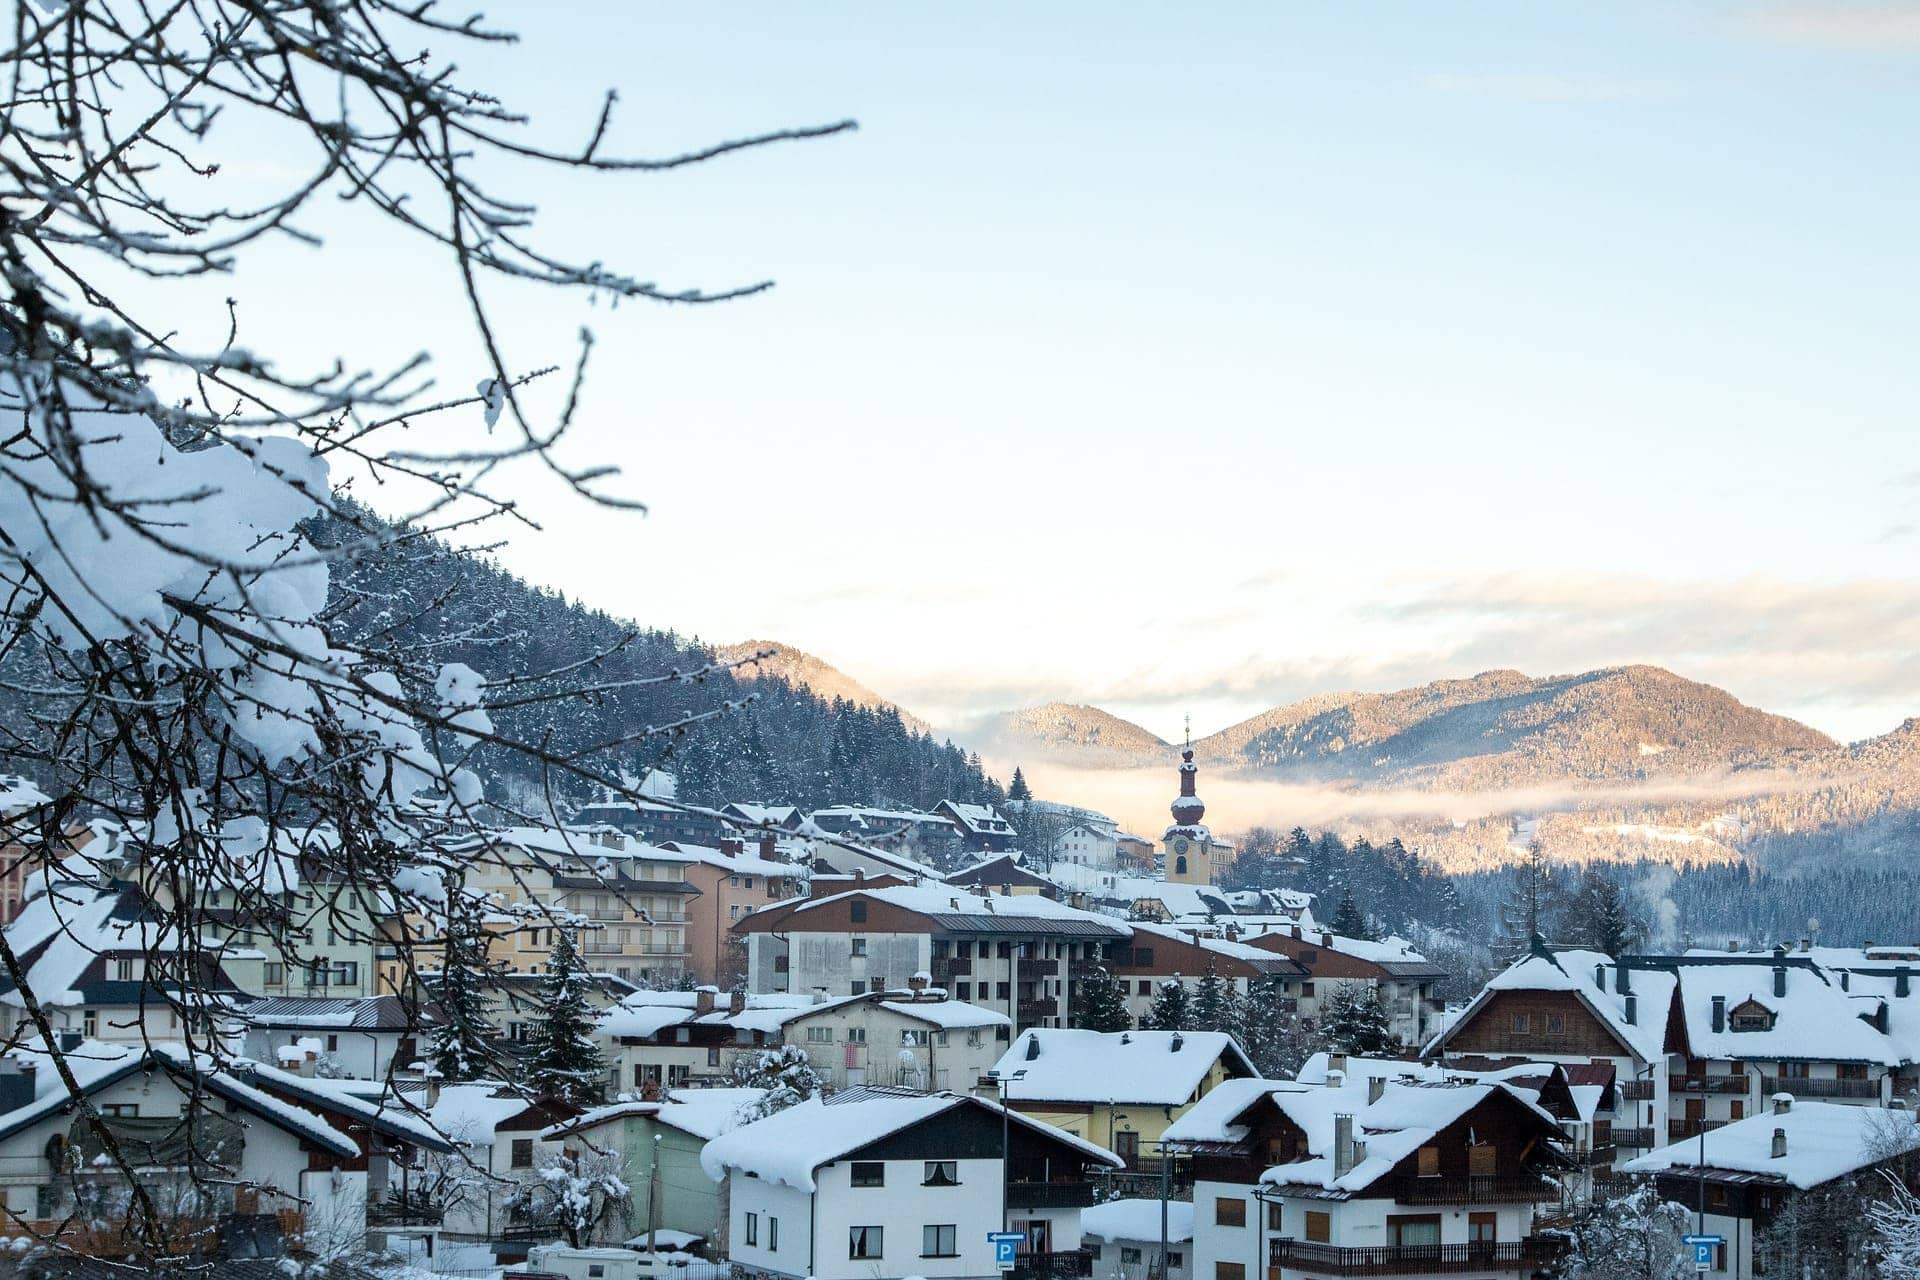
703 1000
1782 1103
1376 1089
1846 979
1719 1014
1296 933
769 847
1337 1062
1902 984
1326 940
1806 944
1779 981
1621 982
1342 1145
1632 1009
70 1040
1176 1044
1779 1144
1733 948
919 982
859 875
1033 1047
732 846
1600 976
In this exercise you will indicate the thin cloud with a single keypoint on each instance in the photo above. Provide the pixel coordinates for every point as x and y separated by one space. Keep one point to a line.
1867 27
1896 533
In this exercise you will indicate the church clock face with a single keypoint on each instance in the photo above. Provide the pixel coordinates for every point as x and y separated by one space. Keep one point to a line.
1180 844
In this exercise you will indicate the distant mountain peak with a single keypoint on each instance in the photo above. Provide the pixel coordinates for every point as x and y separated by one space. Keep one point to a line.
1072 733
798 667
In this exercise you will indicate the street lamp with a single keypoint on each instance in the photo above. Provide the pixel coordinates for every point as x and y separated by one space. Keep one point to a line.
1001 1081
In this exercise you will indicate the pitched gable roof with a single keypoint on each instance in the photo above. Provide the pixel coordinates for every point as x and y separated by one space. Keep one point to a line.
1158 1068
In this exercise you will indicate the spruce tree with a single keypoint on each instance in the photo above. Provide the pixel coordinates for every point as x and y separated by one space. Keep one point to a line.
1172 1010
1101 1004
1354 1021
1599 916
567 1062
462 1043
1349 921
1018 789
1273 1035
1215 1004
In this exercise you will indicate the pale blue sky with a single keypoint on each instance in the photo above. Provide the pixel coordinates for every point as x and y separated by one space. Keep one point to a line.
1201 357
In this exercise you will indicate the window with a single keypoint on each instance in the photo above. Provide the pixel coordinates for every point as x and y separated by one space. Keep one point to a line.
1143 957
1274 1215
859 988
273 973
856 1035
523 1153
869 1173
1306 989
1319 1226
819 1035
596 1270
126 969
317 972
940 1241
1520 1024
121 1109
1413 1230
963 991
1129 1257
857 911
713 1055
1006 950
1001 990
773 1233
864 1242
1229 1271
1229 1212
942 1173
679 1075
1429 1162
913 1037
1483 1228
859 946
1175 1258
753 1228
1309 955
1556 1024
1145 988
779 964
733 912
90 1023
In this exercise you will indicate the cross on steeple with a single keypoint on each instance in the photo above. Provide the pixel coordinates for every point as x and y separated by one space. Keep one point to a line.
1189 728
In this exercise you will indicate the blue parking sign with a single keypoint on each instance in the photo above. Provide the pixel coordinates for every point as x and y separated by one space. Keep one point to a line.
1703 1247
1006 1245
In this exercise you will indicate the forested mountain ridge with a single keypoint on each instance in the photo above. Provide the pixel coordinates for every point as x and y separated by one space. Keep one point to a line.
1070 733
786 745
800 668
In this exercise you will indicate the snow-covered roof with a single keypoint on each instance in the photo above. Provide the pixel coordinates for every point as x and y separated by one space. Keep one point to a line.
1574 972
18 793
1225 947
1825 1140
957 908
981 818
1813 1019
471 1112
1136 1220
948 1015
1404 1118
59 933
1157 1068
789 1145
647 1013
704 1113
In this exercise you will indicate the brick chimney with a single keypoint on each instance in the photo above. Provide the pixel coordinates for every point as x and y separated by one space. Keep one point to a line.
732 846
769 847
703 999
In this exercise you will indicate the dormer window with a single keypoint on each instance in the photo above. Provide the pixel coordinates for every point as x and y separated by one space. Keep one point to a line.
1750 1015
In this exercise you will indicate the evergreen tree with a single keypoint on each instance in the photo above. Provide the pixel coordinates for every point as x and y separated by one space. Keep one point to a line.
1599 917
1529 905
1349 921
567 1062
785 1073
1354 1021
1215 1004
462 1043
1101 1004
1018 789
1274 1037
1172 1010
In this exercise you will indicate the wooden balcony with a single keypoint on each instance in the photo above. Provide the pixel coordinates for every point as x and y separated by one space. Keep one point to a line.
1028 1012
1709 1084
1050 1195
1680 1129
1821 1087
1039 969
1052 1266
1640 1090
1500 1188
1641 1139
947 968
1528 1254
176 1236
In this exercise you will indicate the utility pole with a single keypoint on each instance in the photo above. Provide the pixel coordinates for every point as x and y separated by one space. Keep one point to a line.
653 1198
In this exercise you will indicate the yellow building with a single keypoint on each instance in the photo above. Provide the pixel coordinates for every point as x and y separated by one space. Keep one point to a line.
1120 1089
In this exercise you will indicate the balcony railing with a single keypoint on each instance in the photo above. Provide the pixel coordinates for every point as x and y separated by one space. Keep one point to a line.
1039 968
1637 1090
1052 1266
1708 1084
1028 1011
1050 1195
404 1211
1678 1129
1641 1138
945 967
1416 1259
1603 1154
1820 1087
1499 1188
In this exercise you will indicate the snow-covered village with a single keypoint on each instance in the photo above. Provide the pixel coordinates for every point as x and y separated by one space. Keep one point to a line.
1289 651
